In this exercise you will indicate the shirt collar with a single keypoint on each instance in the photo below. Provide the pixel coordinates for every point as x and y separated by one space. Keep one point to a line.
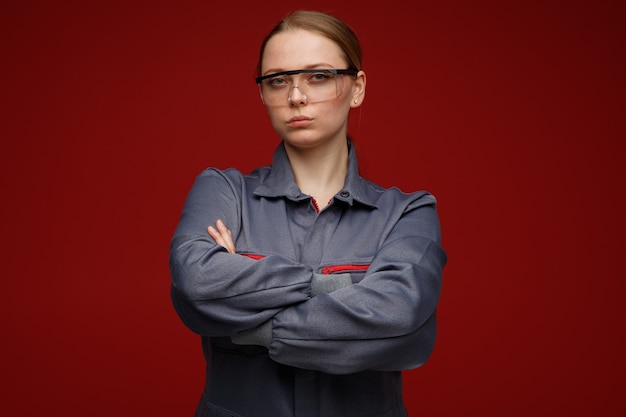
281 183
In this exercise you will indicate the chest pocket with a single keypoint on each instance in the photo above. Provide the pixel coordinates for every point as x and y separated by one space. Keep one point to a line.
356 271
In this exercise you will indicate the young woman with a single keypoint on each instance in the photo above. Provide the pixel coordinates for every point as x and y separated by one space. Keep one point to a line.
312 288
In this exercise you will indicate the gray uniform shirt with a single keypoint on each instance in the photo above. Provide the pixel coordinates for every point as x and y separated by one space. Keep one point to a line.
318 312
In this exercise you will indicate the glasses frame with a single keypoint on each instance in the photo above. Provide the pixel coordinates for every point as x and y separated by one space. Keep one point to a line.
335 72
348 71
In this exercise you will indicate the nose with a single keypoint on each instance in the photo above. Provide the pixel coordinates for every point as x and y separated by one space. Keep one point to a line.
296 98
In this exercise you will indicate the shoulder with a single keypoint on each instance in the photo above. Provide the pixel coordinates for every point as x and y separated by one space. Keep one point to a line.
231 175
224 174
389 197
220 180
405 213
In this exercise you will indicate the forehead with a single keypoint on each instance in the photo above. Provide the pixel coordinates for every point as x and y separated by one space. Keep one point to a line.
298 49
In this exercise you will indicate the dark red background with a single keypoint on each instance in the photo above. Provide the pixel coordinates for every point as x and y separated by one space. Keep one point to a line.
511 113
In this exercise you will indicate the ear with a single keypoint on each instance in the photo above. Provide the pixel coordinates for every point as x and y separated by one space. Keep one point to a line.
358 90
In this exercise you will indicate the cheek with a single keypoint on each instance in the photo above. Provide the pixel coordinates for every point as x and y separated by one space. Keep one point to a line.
334 115
339 110
275 117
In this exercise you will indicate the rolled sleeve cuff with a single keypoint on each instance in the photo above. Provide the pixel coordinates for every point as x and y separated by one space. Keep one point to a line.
325 284
261 335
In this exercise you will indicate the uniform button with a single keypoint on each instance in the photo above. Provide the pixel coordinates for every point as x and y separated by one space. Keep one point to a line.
345 194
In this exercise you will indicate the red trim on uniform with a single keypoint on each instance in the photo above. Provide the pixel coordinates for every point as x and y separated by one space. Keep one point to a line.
317 207
333 269
253 256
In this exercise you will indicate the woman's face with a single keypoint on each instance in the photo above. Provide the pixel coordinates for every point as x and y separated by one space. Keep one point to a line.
298 122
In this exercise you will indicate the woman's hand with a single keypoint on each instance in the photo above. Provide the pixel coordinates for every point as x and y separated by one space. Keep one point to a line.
222 236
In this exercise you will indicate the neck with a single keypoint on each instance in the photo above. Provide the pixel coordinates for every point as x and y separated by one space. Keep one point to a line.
321 171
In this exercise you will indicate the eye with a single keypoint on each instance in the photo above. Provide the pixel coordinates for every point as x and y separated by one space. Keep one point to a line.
276 82
319 77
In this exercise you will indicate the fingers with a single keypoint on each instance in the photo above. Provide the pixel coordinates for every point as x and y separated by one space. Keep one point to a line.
222 236
227 236
222 228
214 234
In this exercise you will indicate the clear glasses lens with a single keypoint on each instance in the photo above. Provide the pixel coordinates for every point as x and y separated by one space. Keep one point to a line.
313 87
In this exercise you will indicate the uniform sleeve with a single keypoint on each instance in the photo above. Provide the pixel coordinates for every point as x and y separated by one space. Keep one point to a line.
385 322
216 293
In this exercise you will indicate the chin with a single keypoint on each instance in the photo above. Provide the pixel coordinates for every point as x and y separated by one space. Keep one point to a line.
302 142
311 143
301 137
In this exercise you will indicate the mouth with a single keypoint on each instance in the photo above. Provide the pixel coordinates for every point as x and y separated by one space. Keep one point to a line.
299 121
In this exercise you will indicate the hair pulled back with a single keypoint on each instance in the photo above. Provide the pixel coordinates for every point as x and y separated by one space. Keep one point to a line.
323 24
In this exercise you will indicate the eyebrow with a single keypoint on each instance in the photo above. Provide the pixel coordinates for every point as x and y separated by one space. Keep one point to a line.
351 71
313 66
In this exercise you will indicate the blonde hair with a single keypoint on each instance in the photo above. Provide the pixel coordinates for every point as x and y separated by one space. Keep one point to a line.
324 24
